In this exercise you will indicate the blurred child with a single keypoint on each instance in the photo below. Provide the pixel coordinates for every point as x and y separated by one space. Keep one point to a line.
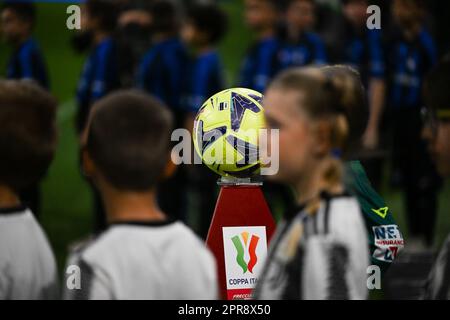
28 142
27 62
161 73
100 74
437 131
162 68
363 50
142 254
302 47
412 54
260 63
320 250
205 26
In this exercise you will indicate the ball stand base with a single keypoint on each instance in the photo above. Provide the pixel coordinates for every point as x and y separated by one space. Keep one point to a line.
241 203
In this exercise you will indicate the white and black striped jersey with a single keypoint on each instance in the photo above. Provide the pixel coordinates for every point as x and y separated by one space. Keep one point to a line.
318 256
27 265
144 261
438 284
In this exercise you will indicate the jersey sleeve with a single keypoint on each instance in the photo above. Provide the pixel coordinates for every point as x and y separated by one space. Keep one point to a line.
384 236
26 63
208 80
264 68
430 48
105 76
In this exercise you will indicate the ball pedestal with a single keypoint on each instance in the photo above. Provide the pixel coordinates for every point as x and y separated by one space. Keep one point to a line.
240 230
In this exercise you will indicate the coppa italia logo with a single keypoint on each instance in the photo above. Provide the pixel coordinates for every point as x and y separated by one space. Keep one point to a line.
242 243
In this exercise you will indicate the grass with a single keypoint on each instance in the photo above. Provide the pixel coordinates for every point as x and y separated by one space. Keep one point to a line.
66 212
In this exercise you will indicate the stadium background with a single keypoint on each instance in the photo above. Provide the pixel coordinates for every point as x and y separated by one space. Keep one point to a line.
66 204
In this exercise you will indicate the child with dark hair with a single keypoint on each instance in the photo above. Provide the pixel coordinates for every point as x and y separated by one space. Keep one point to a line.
204 27
412 54
260 63
28 142
17 24
27 62
301 46
161 69
143 254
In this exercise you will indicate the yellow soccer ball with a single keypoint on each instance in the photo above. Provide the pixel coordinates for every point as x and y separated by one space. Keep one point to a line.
226 132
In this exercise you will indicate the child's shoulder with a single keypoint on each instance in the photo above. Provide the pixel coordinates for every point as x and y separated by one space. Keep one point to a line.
338 211
343 214
12 219
120 237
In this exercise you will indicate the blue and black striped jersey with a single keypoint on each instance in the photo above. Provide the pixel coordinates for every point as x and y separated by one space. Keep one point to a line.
99 77
409 63
308 49
204 78
364 51
27 62
260 64
161 71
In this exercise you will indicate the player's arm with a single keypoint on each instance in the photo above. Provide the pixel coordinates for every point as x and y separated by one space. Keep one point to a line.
376 89
378 217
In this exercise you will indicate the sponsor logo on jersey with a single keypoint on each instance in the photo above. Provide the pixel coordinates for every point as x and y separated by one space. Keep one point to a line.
382 212
388 240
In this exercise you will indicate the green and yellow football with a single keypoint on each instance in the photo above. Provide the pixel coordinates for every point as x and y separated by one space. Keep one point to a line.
226 132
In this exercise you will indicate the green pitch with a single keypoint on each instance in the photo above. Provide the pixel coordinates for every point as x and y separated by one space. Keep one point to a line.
66 212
